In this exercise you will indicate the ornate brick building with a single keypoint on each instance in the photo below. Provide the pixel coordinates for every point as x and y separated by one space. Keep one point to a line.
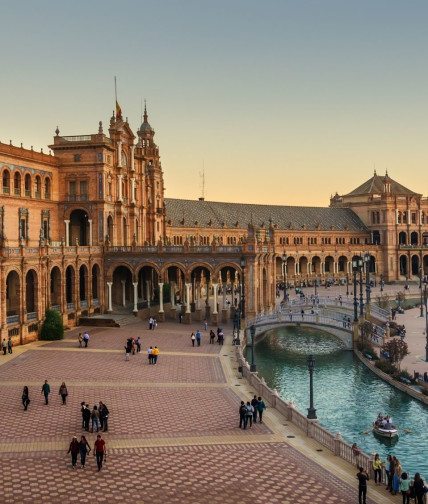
87 229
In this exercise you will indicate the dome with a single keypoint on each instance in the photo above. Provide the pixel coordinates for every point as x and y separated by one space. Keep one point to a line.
146 128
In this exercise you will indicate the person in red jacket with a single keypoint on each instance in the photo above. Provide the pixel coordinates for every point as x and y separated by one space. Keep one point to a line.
74 450
100 451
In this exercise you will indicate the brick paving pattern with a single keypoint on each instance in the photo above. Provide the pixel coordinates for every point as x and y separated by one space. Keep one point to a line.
173 429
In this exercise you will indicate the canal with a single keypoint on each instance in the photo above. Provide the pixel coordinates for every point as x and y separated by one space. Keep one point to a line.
347 395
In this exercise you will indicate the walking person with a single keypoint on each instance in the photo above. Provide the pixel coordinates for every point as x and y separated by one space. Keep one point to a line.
212 337
25 398
105 414
198 337
250 412
138 343
80 340
84 450
86 417
193 338
9 345
255 405
100 411
100 451
396 477
242 416
155 354
150 355
388 472
205 324
46 390
95 417
377 468
86 339
63 392
74 450
4 346
363 477
150 323
261 407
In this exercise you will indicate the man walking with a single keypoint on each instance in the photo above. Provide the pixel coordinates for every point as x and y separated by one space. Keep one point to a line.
198 337
9 345
242 415
4 346
100 451
86 339
46 390
155 354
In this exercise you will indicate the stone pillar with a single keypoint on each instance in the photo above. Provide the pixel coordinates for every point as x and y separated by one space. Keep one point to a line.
148 293
135 310
132 190
215 298
188 285
161 313
224 297
67 233
109 309
90 232
119 187
132 161
123 293
172 295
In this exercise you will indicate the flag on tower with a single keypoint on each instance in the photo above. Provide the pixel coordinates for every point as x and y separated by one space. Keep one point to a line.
118 111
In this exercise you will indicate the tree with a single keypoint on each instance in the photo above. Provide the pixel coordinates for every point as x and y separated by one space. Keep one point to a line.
397 349
52 328
382 300
366 331
400 298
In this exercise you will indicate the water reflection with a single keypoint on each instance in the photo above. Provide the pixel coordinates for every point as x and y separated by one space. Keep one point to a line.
347 396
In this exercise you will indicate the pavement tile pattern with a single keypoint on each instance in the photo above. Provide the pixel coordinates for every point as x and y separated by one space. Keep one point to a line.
173 434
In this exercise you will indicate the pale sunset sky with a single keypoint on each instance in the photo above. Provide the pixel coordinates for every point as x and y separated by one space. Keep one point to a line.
278 102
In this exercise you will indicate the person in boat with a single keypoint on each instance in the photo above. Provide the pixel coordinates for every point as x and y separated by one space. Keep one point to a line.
379 419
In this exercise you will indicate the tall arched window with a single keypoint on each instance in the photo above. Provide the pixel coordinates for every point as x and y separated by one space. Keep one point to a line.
27 185
38 187
6 182
17 183
47 188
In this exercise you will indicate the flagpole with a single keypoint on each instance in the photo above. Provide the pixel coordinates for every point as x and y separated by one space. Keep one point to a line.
115 89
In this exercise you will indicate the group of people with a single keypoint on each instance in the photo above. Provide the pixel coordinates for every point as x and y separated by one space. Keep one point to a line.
97 416
7 345
397 481
83 338
83 448
249 411
132 346
46 390
152 324
153 355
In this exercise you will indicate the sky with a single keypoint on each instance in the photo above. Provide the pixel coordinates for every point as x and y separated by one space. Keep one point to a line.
276 102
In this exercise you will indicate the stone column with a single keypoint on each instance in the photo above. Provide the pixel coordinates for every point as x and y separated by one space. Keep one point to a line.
198 311
161 313
123 292
109 309
119 187
132 149
187 312
135 310
132 190
67 233
173 310
90 232
215 312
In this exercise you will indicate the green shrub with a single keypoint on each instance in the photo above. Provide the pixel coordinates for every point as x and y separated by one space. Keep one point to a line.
386 366
366 348
405 374
52 328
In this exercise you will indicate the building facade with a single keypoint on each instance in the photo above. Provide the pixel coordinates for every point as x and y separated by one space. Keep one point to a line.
87 229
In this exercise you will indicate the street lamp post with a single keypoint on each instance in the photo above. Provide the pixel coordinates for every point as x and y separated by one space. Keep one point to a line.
252 365
426 318
315 285
238 326
381 282
347 285
367 261
356 266
284 274
420 287
311 410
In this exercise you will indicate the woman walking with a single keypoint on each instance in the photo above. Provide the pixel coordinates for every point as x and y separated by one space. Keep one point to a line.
74 450
25 398
84 450
396 477
261 407
63 392
193 338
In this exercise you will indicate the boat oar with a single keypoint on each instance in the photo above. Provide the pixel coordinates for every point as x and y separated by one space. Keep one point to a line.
366 431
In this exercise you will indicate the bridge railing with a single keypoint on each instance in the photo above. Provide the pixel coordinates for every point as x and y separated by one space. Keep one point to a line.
333 442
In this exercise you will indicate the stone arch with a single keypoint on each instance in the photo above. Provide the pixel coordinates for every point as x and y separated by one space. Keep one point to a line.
415 265
55 288
13 294
316 265
303 266
31 290
48 185
70 284
414 238
17 179
38 186
28 183
174 275
329 266
110 229
403 265
122 288
148 280
342 264
96 282
83 283
5 178
402 238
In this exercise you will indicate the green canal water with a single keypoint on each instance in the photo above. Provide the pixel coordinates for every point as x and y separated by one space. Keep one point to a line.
347 395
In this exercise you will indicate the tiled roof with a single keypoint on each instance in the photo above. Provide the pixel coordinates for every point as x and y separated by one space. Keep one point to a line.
206 214
375 186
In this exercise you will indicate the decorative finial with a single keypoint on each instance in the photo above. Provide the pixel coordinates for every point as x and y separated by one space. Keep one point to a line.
41 150
10 142
374 172
100 129
57 131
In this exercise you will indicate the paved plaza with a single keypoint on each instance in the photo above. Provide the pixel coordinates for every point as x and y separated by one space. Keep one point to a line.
173 428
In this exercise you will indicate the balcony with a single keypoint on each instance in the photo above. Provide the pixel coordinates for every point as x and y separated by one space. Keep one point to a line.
12 319
31 316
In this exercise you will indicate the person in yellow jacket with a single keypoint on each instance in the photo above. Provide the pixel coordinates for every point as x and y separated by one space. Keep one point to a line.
377 468
155 354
